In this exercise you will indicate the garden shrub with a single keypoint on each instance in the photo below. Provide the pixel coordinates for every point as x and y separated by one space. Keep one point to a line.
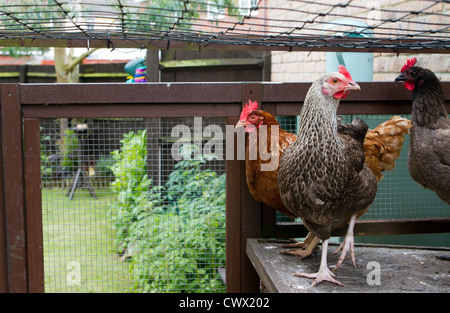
69 147
46 169
130 184
173 234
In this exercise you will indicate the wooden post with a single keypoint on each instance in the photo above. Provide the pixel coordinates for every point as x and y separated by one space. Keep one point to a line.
233 221
33 204
243 216
268 214
152 62
14 188
4 285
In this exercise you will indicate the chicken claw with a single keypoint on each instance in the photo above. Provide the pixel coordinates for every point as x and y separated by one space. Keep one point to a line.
306 247
324 274
296 243
347 244
300 244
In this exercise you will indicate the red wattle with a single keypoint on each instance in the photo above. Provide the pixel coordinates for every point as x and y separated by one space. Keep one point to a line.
409 85
340 95
250 128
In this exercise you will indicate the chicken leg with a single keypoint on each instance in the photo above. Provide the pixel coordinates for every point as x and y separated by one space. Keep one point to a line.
324 274
306 247
347 244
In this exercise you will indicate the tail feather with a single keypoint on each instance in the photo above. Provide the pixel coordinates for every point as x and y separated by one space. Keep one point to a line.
383 144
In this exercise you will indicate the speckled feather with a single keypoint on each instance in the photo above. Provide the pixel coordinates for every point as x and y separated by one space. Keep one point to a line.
322 176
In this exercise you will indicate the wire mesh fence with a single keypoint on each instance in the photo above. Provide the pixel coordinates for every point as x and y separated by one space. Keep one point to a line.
398 195
123 212
302 24
121 215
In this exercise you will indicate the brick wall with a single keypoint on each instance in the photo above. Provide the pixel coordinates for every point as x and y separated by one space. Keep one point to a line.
308 66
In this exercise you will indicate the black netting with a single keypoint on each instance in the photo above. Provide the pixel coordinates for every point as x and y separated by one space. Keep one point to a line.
411 25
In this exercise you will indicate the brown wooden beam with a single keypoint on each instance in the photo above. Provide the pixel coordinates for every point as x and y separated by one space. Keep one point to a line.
33 204
14 188
131 110
268 214
199 99
243 213
278 93
250 209
233 220
373 228
4 284
123 93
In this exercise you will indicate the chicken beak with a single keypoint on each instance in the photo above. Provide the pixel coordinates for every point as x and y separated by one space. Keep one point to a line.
401 78
240 124
352 86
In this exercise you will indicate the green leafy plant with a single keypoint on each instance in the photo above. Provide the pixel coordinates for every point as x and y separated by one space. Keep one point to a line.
186 255
69 151
130 184
174 235
46 169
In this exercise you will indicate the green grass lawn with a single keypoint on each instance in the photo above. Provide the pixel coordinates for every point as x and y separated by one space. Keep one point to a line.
79 250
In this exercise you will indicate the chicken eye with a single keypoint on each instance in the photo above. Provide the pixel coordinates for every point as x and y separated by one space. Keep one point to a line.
252 117
335 81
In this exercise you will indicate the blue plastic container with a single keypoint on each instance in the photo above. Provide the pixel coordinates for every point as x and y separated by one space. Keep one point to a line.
359 64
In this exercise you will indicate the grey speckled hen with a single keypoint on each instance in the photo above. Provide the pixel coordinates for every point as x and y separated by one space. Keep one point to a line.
429 151
322 176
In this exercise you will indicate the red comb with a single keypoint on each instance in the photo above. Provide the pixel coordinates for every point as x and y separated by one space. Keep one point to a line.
344 72
410 63
248 107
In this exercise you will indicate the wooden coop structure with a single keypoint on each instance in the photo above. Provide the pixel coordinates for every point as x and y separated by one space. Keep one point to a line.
23 106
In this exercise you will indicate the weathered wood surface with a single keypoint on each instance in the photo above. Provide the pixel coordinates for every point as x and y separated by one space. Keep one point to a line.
402 269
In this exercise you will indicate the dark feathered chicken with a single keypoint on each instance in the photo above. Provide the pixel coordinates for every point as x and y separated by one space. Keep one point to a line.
322 176
429 150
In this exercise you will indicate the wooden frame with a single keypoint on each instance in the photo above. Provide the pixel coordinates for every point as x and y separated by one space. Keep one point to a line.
21 257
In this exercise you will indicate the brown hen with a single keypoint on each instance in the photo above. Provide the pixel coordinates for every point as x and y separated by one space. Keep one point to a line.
261 183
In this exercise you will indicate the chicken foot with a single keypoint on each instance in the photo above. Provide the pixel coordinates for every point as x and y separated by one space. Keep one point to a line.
299 244
306 247
347 244
324 273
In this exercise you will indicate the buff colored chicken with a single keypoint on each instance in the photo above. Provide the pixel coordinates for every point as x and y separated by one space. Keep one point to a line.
382 145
